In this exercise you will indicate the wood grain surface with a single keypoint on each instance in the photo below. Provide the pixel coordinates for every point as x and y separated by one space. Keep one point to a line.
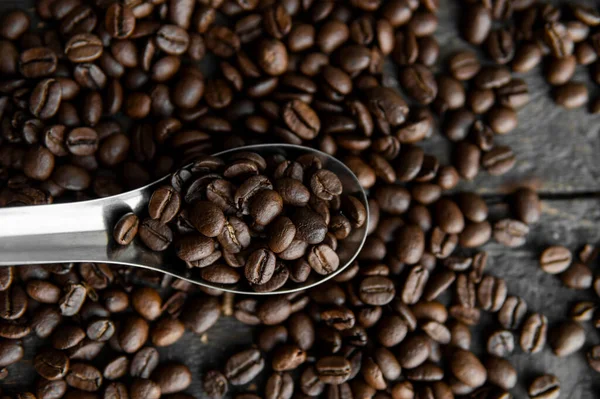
558 152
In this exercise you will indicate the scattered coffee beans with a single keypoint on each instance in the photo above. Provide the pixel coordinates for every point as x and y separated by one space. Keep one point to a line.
106 97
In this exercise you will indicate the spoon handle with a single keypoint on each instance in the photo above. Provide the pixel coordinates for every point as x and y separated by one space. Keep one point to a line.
74 232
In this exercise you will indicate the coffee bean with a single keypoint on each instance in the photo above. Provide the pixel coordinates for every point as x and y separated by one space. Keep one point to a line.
214 384
272 56
501 343
448 216
477 24
410 244
491 293
10 352
172 377
501 373
43 291
571 95
323 259
555 259
593 356
244 366
287 357
310 383
119 21
82 141
533 333
419 83
45 99
527 205
578 276
376 290
132 334
13 303
51 364
414 284
567 338
467 368
147 302
46 389
279 385
172 39
406 48
544 387
155 235
557 38
37 62
333 369
386 104
502 120
84 376
126 229
144 388
325 185
84 47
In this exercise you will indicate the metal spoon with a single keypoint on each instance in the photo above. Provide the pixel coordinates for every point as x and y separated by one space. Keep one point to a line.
82 231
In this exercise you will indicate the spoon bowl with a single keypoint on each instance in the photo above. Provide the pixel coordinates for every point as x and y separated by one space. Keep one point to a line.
82 231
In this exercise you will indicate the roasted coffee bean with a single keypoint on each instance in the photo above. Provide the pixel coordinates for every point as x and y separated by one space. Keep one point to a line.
51 364
323 259
37 62
491 293
558 39
376 290
172 39
333 369
45 99
415 284
593 357
172 377
533 333
310 383
10 352
555 259
132 334
544 387
501 373
511 233
571 95
467 368
501 343
13 303
244 366
147 302
155 235
126 229
567 338
386 104
578 276
84 376
214 384
287 357
512 312
418 82
477 24
120 21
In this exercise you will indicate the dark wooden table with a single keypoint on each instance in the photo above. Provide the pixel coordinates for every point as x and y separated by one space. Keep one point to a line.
558 152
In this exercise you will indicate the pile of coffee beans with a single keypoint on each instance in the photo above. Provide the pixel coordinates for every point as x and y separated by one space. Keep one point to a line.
274 219
103 96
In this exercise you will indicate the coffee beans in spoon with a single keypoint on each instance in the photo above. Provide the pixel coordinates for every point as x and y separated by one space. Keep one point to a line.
244 217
